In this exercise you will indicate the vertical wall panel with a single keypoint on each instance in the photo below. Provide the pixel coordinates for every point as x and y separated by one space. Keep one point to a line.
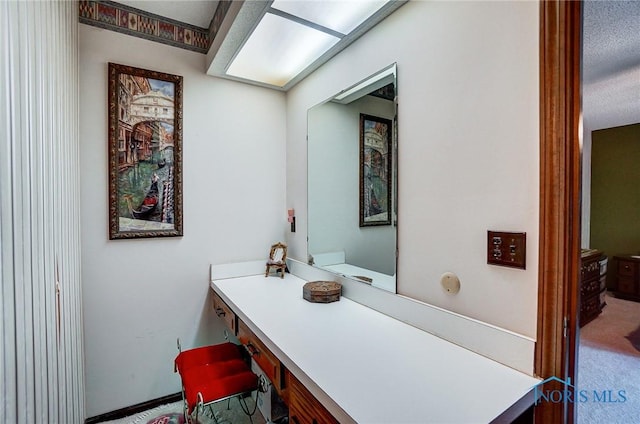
41 361
7 233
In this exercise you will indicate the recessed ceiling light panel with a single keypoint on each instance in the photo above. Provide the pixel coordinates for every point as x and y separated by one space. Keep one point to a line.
342 16
279 49
278 44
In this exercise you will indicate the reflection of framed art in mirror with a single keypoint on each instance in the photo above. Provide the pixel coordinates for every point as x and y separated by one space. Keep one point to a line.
336 240
375 170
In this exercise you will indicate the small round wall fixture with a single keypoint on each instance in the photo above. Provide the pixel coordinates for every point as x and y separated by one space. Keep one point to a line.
450 282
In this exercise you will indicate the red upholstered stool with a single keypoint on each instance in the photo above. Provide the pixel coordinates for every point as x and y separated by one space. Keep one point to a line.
210 374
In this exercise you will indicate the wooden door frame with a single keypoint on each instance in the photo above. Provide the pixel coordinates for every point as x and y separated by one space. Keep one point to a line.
560 198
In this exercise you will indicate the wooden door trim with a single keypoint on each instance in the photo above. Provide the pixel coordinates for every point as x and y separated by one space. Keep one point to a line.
560 180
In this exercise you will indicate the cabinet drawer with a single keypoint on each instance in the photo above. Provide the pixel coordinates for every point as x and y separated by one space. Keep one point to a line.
627 268
265 359
224 312
603 299
304 408
604 265
603 283
589 288
591 305
590 270
626 285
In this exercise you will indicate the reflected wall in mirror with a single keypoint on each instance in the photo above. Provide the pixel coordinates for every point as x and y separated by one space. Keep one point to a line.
336 239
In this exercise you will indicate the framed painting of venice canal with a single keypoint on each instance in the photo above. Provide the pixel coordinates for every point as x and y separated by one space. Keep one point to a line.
145 153
375 171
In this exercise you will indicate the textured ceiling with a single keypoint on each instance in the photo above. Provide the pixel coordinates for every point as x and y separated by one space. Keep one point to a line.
611 63
611 54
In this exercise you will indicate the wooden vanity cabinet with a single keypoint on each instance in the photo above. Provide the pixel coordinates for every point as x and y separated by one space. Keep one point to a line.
304 408
628 277
265 359
225 313
592 284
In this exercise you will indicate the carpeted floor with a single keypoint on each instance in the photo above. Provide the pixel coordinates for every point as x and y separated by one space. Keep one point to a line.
609 359
172 414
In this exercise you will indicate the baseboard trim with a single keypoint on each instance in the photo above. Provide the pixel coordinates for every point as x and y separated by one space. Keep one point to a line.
133 409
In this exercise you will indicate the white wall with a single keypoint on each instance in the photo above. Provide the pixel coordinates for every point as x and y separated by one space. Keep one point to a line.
140 295
468 148
334 131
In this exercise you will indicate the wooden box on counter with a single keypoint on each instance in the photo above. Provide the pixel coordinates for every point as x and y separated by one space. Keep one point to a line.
322 291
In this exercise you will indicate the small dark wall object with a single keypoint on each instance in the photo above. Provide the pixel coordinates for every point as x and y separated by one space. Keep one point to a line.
507 249
291 217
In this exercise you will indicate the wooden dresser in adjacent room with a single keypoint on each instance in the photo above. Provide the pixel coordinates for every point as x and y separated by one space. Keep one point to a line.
593 285
627 285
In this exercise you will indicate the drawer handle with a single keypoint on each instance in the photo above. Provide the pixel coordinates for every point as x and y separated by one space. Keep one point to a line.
626 267
252 350
220 312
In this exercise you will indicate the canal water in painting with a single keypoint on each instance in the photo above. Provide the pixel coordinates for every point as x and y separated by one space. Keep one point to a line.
134 184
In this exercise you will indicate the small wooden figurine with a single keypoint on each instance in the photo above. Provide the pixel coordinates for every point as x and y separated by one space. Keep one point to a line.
277 259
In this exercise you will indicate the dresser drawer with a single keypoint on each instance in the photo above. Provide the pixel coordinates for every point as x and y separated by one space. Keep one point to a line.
626 285
265 359
304 408
589 288
591 305
224 312
590 270
604 262
627 268
603 283
603 300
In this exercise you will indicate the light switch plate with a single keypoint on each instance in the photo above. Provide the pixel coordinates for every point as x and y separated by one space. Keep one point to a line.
507 249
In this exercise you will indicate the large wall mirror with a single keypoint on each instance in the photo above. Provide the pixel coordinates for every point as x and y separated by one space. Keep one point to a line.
352 174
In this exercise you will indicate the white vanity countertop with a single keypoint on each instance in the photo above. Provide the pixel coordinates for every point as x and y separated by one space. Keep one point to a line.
368 367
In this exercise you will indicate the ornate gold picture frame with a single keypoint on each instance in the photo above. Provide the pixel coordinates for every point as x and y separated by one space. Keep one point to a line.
145 153
375 170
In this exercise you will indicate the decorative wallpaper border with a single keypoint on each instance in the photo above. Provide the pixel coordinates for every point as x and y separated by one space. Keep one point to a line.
218 17
138 23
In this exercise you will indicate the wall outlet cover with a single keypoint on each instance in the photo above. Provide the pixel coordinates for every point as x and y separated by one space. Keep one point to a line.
450 282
